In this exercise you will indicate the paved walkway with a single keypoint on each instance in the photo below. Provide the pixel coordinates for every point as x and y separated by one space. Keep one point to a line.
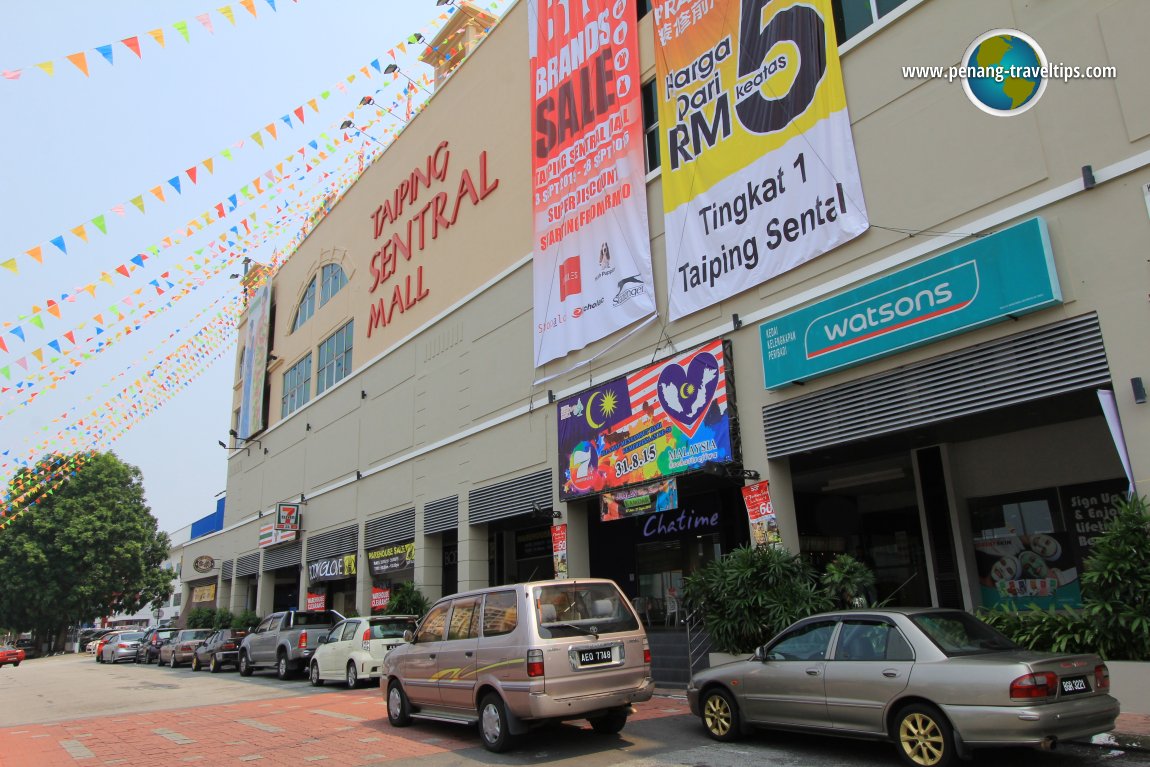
343 728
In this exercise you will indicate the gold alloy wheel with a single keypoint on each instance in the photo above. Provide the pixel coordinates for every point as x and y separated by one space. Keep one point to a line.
717 715
921 739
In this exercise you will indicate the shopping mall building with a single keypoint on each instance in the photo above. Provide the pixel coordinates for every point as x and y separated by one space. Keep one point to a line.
942 372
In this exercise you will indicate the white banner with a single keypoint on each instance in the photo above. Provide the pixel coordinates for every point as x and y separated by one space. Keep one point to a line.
592 270
759 169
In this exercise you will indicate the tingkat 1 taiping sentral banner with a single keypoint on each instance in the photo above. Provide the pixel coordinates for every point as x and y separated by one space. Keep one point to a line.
592 270
759 169
663 420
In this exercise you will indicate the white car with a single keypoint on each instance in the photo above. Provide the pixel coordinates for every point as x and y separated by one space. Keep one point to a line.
354 649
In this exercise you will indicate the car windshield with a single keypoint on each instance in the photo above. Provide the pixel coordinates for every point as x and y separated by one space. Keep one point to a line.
581 609
958 633
391 628
194 634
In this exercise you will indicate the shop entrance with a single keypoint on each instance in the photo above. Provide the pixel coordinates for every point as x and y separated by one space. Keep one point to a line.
870 511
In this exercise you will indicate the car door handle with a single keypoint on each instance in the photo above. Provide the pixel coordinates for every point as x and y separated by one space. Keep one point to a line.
812 672
469 653
890 673
432 656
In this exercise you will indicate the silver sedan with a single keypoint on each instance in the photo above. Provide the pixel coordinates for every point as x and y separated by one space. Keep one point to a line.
935 682
121 647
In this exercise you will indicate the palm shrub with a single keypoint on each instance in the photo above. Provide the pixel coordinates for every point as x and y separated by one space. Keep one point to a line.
751 594
248 619
848 581
406 599
201 618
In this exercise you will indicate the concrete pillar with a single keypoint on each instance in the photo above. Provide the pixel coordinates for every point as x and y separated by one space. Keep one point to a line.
473 557
428 563
362 577
783 502
578 546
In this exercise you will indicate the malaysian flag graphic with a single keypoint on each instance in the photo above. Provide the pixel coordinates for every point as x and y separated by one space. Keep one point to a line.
643 389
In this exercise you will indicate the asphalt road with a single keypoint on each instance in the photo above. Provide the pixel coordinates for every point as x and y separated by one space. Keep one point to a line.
69 710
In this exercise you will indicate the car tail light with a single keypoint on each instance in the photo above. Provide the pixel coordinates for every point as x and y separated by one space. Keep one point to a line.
534 663
122 645
1101 678
367 639
302 640
1034 686
228 646
185 648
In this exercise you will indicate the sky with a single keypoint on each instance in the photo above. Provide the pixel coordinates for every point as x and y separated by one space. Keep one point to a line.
83 152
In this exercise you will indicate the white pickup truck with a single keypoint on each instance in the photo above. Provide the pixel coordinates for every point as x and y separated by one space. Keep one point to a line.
285 641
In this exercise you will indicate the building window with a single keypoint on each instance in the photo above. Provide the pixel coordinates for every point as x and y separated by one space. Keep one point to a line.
334 359
306 306
176 599
853 16
331 279
651 125
297 386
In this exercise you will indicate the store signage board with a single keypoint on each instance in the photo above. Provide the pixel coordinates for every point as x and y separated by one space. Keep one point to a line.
660 421
391 558
639 500
332 568
287 516
993 278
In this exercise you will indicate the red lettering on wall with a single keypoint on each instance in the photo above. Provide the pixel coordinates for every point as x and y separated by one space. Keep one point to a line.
411 236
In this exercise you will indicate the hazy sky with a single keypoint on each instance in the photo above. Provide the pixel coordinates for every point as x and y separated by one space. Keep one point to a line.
78 147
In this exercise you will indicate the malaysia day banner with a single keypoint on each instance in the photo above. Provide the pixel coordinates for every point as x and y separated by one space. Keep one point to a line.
758 163
592 253
660 421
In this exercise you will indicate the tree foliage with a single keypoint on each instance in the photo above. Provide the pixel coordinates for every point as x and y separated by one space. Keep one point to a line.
88 549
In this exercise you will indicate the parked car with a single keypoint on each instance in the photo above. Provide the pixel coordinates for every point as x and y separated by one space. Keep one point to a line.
11 654
121 646
182 647
513 657
149 649
354 649
30 648
285 641
937 683
103 641
218 650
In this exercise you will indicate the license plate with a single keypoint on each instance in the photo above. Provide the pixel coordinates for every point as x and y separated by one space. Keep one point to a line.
1072 685
596 657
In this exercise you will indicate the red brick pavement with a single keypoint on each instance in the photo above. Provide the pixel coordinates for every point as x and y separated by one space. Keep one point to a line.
339 728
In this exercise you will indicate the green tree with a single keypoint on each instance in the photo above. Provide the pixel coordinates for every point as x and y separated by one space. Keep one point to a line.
86 549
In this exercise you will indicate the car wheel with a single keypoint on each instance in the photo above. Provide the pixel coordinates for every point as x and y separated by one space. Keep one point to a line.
313 675
924 737
214 666
245 665
283 670
195 663
720 715
493 724
611 723
398 707
352 676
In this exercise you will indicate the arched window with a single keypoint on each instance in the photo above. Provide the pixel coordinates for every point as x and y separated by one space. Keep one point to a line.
331 279
306 306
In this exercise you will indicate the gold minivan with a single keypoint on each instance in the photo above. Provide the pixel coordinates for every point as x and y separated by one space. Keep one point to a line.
509 658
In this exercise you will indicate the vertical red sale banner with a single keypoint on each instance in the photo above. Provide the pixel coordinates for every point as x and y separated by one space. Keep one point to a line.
592 270
316 601
559 549
761 515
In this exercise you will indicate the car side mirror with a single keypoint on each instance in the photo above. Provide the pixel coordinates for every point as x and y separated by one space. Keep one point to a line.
323 639
408 636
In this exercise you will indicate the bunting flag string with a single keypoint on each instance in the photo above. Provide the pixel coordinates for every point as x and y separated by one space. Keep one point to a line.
107 51
296 208
141 201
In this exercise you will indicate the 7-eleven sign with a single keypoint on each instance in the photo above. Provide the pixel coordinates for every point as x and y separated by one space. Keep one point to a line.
287 516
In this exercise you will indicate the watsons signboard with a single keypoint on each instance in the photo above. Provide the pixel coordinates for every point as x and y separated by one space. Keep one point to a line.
1005 274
